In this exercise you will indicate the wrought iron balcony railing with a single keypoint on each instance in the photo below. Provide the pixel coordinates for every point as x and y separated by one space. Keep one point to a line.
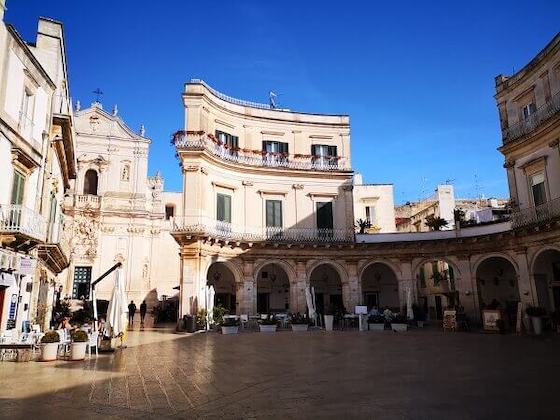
205 226
57 235
527 125
536 215
16 218
199 141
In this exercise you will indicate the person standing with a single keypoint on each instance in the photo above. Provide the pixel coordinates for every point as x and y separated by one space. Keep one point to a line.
143 310
131 312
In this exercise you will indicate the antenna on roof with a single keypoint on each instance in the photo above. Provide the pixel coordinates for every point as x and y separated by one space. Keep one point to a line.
272 99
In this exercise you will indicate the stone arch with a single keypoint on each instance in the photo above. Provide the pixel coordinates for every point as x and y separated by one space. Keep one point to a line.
91 182
274 293
227 291
313 264
478 261
447 259
544 270
330 290
396 270
379 285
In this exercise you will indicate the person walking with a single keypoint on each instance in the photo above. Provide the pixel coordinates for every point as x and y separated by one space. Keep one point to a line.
143 310
131 312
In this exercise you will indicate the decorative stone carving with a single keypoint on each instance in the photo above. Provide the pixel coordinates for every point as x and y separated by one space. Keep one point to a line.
297 186
247 183
84 231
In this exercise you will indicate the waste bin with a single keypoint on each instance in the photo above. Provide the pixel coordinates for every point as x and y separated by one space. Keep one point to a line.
190 323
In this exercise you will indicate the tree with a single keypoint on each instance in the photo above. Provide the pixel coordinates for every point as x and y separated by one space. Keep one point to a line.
435 223
362 225
459 216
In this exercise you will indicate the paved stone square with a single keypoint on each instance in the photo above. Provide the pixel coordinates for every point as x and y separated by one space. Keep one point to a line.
422 374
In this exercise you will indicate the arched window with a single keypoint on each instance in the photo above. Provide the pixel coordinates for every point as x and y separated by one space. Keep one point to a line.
90 182
169 211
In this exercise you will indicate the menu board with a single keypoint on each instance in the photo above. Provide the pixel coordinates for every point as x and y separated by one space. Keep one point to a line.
450 320
490 318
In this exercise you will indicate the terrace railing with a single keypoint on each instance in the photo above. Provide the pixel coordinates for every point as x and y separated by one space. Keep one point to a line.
15 218
527 125
200 141
536 215
205 226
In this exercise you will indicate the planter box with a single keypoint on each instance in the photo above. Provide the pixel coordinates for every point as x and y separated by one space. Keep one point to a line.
49 352
299 327
329 320
230 330
376 327
78 351
267 328
399 327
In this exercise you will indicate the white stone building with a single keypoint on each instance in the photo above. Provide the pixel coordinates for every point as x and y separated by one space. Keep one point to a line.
374 203
118 213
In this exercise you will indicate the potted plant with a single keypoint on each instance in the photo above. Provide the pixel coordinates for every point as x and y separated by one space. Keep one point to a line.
376 323
399 323
78 345
49 346
329 318
535 313
230 326
268 324
299 322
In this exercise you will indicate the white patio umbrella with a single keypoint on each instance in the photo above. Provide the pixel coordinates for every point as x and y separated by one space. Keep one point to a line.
309 301
210 293
409 311
117 312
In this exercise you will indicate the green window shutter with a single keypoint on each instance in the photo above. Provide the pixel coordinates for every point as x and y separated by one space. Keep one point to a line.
223 208
18 185
324 215
284 147
227 206
332 151
313 149
273 213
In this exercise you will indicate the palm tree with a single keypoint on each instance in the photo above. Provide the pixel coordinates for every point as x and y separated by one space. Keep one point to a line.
435 223
363 224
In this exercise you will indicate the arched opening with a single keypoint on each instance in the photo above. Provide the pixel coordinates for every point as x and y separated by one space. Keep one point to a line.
436 288
496 280
546 272
169 211
222 278
326 282
380 287
273 290
90 182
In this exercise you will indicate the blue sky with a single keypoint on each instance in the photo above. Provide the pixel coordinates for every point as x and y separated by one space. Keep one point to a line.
416 78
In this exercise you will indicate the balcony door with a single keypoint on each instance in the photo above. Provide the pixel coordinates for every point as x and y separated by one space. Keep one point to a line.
18 188
275 151
90 182
325 219
223 213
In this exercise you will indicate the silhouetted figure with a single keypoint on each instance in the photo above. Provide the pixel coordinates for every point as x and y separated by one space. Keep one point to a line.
143 310
131 312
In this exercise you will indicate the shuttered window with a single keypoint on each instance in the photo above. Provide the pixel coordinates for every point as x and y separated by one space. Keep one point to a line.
273 213
324 215
227 139
223 206
18 185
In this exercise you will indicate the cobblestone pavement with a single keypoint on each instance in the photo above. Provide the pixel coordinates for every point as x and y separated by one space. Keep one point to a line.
418 375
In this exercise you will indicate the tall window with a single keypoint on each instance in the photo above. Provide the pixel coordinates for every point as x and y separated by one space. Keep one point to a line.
26 115
82 282
223 208
275 151
274 213
371 215
324 215
228 141
528 110
90 182
18 186
538 188
169 211
324 155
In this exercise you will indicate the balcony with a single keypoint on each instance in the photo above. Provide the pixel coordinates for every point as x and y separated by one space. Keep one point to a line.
202 226
55 252
21 227
87 202
201 142
536 215
527 125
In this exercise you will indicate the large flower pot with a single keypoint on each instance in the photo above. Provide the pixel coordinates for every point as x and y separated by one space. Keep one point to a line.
78 351
49 352
230 330
329 319
267 328
376 327
299 327
537 324
420 324
399 327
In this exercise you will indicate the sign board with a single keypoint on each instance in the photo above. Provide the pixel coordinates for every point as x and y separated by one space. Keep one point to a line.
360 310
27 266
490 318
450 320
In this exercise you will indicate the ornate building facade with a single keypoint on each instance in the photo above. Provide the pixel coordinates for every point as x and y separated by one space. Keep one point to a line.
117 213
